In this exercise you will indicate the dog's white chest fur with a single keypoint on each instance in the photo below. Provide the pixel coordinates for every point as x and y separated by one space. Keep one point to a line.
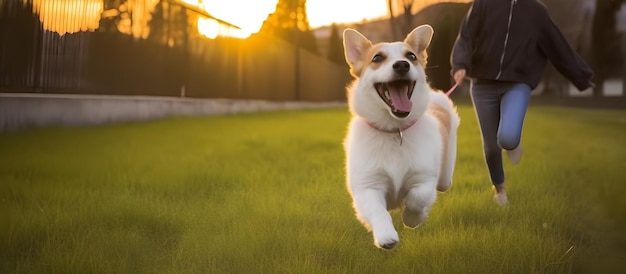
386 169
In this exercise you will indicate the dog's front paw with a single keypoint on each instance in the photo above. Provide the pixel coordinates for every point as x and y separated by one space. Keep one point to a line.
386 240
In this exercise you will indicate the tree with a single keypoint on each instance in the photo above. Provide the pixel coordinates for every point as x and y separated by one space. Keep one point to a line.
111 15
335 46
402 9
290 23
169 24
402 13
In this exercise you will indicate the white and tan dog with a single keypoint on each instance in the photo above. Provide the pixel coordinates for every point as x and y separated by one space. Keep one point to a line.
401 141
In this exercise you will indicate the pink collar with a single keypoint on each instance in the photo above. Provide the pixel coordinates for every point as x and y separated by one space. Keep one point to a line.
405 127
398 130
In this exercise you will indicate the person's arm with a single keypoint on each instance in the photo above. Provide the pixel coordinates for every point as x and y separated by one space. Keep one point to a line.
562 55
463 47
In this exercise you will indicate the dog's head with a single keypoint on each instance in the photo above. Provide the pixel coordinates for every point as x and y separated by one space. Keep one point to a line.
389 72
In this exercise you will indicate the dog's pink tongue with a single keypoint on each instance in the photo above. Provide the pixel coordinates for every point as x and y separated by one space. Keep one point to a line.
400 98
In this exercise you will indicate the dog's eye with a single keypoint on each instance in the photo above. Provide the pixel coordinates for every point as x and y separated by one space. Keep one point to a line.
411 56
377 58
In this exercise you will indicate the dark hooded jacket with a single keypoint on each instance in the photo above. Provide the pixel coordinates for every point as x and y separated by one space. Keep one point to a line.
511 40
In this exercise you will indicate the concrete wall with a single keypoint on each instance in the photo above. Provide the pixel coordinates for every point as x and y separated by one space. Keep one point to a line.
23 110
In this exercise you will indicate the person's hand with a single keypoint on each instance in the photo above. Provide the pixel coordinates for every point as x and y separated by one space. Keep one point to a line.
459 76
589 86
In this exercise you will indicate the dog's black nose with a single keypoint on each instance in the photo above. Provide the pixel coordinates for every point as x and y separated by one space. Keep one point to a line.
401 67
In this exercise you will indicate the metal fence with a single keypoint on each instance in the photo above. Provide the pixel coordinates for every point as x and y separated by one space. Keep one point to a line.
160 54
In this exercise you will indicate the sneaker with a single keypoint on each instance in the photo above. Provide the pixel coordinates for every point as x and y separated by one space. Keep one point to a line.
515 155
500 195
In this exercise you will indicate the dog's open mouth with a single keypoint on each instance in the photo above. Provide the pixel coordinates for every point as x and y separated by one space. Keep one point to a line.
397 95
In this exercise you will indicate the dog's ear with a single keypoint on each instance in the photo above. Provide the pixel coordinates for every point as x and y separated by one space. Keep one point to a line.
420 38
355 45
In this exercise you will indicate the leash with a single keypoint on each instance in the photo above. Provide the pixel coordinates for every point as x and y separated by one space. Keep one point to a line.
451 89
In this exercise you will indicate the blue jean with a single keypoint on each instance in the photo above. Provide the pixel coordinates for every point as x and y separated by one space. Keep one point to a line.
500 108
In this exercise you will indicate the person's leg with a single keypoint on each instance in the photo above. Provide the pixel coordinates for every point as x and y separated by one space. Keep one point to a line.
486 100
513 108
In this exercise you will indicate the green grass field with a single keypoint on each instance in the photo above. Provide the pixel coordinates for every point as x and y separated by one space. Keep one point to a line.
265 193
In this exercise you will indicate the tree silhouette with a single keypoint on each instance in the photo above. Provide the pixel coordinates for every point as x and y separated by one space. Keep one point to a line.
401 25
290 23
158 26
113 16
169 24
335 46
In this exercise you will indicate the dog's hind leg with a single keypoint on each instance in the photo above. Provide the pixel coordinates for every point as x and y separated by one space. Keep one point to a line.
371 209
443 108
447 167
418 202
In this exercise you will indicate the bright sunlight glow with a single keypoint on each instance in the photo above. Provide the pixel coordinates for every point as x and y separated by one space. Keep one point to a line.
326 12
250 14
